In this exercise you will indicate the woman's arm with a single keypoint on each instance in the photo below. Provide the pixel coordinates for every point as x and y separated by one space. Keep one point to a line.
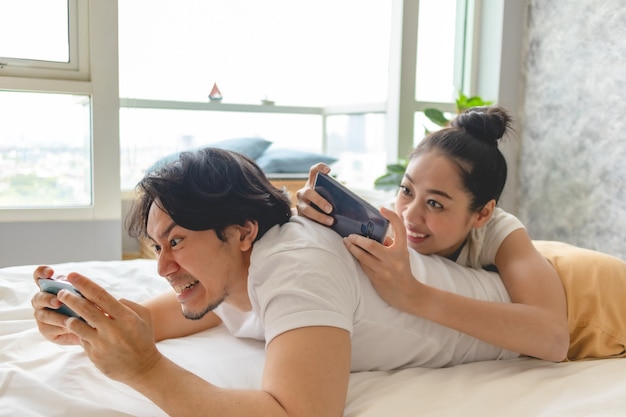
537 291
534 324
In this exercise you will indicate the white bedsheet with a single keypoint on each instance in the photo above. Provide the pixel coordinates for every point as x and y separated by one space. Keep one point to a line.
39 378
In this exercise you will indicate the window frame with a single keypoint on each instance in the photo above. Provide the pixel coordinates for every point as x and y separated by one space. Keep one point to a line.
95 21
401 105
77 68
401 123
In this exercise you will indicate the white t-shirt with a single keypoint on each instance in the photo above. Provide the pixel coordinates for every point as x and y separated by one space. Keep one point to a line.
483 243
302 275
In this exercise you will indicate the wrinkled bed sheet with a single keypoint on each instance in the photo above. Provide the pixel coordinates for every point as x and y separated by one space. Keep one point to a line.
39 378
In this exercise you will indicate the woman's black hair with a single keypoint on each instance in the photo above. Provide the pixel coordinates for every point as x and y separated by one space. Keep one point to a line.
471 142
210 188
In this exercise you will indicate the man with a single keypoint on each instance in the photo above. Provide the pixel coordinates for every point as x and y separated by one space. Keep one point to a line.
229 249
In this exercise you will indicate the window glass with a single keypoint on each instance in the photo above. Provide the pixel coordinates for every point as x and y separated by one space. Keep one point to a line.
34 30
436 51
305 52
311 53
357 141
422 126
150 134
45 150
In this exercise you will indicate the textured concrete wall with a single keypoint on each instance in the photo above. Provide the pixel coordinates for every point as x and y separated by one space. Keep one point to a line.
572 167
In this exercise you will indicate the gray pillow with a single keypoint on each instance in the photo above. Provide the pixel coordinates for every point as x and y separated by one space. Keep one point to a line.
251 147
282 160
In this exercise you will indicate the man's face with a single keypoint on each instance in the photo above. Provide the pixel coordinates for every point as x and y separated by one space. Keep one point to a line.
203 270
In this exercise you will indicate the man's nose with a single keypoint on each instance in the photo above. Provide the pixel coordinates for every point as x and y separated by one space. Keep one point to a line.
165 263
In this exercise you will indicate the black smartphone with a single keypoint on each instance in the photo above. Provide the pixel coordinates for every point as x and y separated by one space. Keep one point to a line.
351 213
53 286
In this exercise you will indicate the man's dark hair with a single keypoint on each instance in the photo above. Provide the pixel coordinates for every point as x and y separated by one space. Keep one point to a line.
210 188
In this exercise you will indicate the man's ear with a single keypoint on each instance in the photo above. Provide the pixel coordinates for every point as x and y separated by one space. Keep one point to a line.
485 214
247 234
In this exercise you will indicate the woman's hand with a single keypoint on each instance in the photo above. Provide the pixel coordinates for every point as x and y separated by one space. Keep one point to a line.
387 266
307 195
51 324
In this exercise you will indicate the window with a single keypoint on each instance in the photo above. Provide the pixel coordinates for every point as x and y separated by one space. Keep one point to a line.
45 43
41 36
303 57
357 139
329 60
295 53
438 65
45 156
45 159
149 134
59 148
310 75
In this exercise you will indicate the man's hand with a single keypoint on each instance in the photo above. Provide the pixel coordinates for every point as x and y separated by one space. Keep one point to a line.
51 324
117 335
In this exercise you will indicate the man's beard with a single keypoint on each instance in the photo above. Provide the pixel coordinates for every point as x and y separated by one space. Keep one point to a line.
208 309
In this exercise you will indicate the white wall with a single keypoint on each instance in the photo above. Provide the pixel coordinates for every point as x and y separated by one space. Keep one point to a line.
499 75
573 158
25 243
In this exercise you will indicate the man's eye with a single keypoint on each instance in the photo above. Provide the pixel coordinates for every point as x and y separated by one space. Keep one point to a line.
156 248
175 242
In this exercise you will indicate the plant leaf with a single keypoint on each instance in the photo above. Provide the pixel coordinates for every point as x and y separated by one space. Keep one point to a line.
461 102
436 116
477 102
396 168
388 182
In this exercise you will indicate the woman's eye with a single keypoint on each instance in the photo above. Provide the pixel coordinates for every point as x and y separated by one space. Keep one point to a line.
156 248
404 190
175 242
434 204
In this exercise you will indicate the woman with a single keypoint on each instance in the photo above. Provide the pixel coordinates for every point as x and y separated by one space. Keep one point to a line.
447 206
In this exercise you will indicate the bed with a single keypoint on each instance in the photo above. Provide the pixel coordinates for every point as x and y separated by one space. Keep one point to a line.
39 378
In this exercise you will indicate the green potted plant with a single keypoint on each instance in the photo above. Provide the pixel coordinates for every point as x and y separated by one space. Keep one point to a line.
462 102
393 177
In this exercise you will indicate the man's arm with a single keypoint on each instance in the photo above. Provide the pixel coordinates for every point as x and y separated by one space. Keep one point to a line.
306 374
306 370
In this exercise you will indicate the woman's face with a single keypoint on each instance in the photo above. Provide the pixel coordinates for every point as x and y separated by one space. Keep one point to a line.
434 206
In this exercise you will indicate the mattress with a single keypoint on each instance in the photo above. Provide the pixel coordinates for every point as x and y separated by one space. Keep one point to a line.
39 378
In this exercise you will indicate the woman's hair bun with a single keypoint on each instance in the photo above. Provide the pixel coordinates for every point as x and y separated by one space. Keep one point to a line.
487 124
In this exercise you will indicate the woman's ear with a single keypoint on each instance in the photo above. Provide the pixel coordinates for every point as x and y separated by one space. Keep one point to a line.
485 214
247 234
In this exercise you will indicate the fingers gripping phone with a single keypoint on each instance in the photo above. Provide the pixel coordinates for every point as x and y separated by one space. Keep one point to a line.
351 213
53 286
